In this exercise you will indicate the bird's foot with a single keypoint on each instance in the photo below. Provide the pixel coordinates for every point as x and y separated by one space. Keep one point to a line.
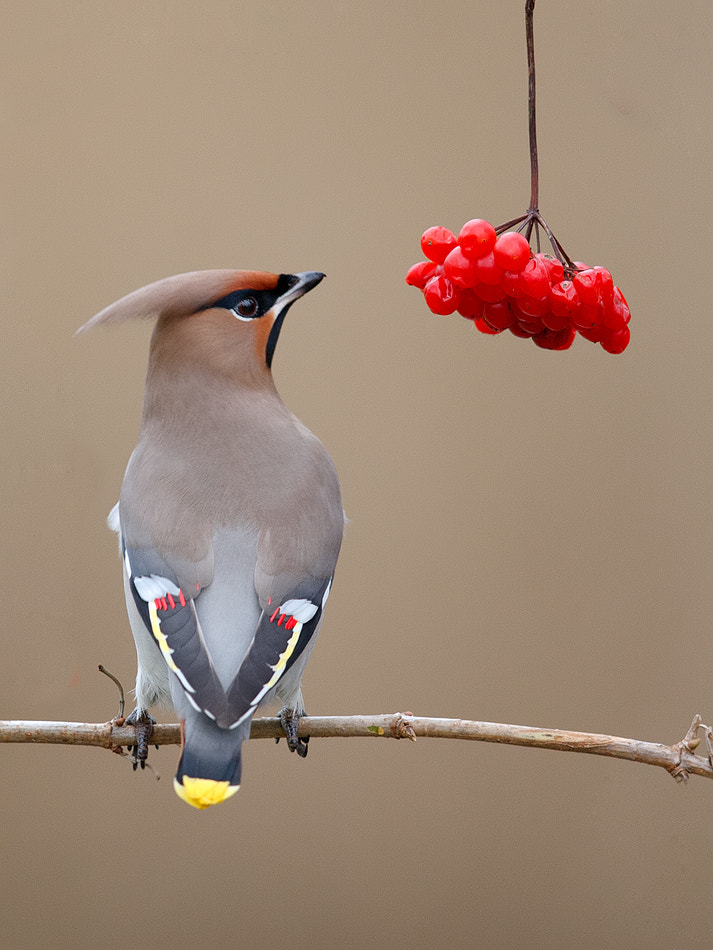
143 725
290 720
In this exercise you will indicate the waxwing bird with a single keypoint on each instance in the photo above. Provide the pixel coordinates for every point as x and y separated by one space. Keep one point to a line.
230 519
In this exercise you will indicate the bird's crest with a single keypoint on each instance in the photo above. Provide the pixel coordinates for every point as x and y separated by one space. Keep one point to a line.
180 294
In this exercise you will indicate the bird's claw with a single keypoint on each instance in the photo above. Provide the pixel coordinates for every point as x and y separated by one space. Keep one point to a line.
143 725
290 720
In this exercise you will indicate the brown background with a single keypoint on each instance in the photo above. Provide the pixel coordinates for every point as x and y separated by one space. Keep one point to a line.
531 535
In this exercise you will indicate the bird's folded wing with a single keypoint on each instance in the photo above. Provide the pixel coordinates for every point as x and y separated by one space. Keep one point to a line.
283 631
169 613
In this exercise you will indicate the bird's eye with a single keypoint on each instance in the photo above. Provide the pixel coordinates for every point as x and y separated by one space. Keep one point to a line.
247 307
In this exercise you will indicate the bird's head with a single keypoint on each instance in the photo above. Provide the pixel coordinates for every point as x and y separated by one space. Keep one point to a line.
207 307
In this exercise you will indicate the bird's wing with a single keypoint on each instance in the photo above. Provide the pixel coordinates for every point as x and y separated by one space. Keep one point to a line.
165 595
284 629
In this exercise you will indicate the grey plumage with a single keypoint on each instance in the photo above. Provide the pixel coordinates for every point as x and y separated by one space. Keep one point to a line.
230 515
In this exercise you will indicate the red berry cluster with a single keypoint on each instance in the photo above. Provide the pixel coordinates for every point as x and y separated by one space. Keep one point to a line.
497 282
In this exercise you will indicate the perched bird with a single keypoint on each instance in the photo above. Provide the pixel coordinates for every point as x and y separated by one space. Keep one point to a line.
230 520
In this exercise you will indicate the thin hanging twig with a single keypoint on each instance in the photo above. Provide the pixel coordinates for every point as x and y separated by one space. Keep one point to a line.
531 105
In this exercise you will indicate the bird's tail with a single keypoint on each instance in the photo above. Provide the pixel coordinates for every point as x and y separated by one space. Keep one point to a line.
210 765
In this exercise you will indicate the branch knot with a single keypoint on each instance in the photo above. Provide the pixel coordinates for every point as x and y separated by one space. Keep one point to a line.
401 727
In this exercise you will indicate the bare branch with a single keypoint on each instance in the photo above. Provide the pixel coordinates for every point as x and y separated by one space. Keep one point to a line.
679 759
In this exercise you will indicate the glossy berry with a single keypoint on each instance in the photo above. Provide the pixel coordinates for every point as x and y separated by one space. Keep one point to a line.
469 304
564 299
527 322
532 306
512 251
616 313
555 340
605 284
593 334
436 243
487 270
615 341
534 279
490 292
441 295
420 273
554 268
498 315
554 322
477 238
517 330
588 315
531 325
587 285
483 326
510 283
459 268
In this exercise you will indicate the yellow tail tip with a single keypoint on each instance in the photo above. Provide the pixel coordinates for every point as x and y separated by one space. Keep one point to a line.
203 792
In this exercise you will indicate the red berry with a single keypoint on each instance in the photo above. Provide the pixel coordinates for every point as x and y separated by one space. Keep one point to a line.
420 273
593 334
510 283
534 279
469 304
554 322
587 316
526 332
527 322
490 292
564 299
512 251
441 295
616 313
606 284
532 307
482 325
460 269
531 325
477 238
498 315
555 270
436 243
488 271
554 340
615 341
587 285
517 330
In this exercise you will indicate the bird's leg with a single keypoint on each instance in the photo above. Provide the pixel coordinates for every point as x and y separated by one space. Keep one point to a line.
143 725
290 720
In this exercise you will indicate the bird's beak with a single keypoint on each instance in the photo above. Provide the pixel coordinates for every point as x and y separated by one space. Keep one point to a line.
299 285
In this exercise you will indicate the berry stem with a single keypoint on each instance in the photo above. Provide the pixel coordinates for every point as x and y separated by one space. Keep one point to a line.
509 224
532 113
532 220
560 252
